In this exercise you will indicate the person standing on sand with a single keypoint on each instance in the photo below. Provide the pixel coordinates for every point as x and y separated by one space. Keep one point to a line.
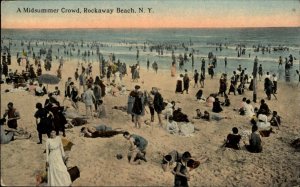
76 75
58 174
67 89
186 83
89 98
138 106
173 69
158 104
12 116
44 124
196 78
298 77
148 64
155 66
274 77
82 80
260 72
202 78
74 96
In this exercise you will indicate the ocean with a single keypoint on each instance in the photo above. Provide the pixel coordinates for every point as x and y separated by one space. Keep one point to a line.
202 41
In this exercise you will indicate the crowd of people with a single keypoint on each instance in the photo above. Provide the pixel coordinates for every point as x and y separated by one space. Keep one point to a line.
51 119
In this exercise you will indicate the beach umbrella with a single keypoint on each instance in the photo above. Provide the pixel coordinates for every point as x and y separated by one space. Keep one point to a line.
48 79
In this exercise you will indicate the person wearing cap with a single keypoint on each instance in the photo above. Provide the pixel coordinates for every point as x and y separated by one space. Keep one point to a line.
233 140
158 104
12 116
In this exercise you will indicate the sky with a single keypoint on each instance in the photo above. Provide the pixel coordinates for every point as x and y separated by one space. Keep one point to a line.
165 14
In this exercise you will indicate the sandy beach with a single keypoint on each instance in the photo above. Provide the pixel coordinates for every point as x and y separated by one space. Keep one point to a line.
277 165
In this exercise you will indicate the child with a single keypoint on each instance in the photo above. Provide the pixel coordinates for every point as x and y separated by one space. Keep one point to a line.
57 91
275 120
101 112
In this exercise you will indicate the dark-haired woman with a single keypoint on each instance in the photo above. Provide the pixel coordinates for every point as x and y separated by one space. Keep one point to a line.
43 122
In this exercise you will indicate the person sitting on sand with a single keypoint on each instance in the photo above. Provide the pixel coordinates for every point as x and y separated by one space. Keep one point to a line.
51 100
56 92
199 96
40 90
198 114
100 112
8 135
12 116
264 108
226 101
137 149
217 106
172 126
262 122
275 120
168 111
249 110
171 158
210 100
233 140
254 141
241 108
179 116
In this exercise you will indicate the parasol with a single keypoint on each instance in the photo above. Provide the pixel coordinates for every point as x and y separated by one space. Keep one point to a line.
48 79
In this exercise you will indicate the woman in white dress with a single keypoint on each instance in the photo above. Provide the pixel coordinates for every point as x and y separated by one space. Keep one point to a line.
58 174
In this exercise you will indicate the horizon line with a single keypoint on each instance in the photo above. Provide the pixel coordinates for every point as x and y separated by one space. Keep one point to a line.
152 28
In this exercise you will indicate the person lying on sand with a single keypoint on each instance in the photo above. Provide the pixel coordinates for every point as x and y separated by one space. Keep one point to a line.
102 131
137 149
214 116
